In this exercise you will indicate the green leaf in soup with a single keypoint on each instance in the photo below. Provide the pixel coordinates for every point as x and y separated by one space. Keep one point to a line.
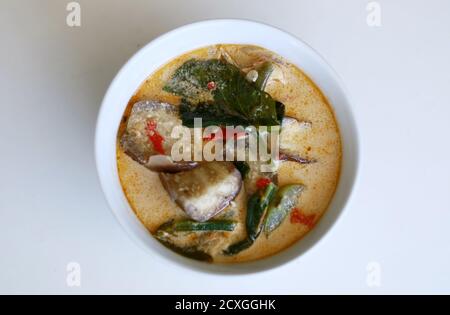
280 207
211 114
191 79
231 94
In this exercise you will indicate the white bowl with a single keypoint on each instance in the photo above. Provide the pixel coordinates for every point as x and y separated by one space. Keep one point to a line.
184 39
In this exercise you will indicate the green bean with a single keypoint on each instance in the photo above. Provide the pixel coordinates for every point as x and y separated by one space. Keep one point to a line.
194 226
256 209
238 247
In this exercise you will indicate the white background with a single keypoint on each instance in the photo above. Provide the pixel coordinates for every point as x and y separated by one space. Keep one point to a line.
52 211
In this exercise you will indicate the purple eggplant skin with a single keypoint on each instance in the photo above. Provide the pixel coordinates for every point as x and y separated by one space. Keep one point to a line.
286 156
135 140
204 191
164 163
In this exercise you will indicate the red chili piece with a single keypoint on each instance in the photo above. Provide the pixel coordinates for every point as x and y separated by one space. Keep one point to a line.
298 217
263 182
154 137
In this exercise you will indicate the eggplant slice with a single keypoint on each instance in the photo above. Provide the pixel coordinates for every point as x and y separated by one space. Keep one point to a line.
292 133
135 140
204 191
164 163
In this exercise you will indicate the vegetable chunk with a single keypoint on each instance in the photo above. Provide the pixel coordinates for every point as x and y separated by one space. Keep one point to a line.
147 137
204 191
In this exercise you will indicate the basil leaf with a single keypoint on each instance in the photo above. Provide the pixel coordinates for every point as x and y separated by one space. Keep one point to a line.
233 100
211 114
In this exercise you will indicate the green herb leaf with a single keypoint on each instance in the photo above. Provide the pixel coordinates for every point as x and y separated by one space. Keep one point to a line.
233 98
211 114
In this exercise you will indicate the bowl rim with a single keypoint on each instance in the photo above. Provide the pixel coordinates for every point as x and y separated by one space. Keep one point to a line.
287 255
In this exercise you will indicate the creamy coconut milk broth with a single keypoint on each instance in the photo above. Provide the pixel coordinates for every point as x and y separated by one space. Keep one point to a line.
314 136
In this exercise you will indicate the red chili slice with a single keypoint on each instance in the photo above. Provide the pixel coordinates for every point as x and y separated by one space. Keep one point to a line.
298 217
154 137
263 182
211 85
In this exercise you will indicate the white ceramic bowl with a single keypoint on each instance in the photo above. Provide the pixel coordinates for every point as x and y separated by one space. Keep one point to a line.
189 37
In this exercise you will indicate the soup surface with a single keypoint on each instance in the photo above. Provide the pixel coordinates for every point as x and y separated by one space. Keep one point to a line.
311 133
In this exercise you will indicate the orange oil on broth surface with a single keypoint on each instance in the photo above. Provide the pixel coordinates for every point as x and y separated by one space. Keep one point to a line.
303 101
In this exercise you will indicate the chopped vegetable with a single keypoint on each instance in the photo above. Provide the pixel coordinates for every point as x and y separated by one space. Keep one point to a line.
256 209
252 76
263 182
193 226
233 100
148 135
154 136
238 247
291 130
280 207
298 217
264 73
164 163
287 156
204 191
